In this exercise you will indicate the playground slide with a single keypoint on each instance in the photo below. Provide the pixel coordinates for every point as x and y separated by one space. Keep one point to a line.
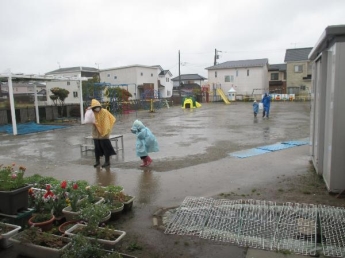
224 97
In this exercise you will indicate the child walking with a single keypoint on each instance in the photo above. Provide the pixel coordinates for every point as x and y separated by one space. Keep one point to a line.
146 142
255 108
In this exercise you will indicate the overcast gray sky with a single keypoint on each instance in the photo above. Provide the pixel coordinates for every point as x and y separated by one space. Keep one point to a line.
39 35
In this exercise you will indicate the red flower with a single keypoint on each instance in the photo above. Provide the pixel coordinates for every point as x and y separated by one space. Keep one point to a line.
48 193
75 186
63 184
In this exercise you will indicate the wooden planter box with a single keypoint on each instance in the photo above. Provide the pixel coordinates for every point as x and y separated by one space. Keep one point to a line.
12 202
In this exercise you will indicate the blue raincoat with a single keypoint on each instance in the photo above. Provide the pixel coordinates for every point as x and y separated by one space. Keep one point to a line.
146 141
255 107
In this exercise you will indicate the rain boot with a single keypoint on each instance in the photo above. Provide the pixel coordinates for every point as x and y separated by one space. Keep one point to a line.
144 164
97 162
107 162
148 161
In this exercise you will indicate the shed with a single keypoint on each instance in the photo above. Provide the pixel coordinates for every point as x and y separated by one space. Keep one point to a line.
327 128
232 94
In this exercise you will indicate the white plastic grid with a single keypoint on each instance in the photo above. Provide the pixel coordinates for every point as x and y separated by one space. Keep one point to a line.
332 220
297 229
258 224
261 224
223 223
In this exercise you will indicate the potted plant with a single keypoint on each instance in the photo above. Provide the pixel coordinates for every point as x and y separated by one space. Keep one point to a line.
13 190
94 215
35 243
114 205
82 247
126 199
73 196
7 231
43 205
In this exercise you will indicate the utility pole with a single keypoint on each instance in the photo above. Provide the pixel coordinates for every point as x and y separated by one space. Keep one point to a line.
179 74
216 56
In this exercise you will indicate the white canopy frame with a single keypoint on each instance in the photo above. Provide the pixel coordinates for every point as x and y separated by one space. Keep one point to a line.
33 78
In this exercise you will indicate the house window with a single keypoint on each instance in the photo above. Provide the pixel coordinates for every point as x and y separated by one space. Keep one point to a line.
236 73
151 74
115 77
68 83
108 75
274 76
229 78
302 87
167 79
247 72
215 74
298 68
75 94
168 93
141 74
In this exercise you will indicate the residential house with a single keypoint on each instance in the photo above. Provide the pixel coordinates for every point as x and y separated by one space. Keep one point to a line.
71 85
189 82
247 77
24 90
298 71
277 78
140 80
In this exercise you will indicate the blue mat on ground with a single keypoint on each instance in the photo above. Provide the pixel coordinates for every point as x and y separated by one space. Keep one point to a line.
297 143
30 127
248 153
276 147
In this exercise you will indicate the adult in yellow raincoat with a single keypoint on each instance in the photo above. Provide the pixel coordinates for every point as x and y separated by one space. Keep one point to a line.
101 130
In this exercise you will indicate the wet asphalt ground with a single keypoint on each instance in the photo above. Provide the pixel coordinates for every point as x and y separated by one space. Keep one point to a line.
193 160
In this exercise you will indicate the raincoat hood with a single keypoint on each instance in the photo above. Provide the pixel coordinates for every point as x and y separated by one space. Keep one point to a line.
138 124
95 103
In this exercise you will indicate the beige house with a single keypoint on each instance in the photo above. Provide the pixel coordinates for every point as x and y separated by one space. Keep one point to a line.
139 78
298 71
248 77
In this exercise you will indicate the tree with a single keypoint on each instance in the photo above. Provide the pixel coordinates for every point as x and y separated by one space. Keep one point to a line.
117 94
59 96
89 87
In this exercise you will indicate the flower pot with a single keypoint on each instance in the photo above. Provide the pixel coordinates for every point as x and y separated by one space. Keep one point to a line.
5 235
11 202
128 205
68 224
118 235
116 213
106 218
38 251
45 225
71 215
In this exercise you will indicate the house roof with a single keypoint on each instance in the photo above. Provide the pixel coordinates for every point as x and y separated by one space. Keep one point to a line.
240 64
73 69
191 77
129 66
277 67
297 54
164 72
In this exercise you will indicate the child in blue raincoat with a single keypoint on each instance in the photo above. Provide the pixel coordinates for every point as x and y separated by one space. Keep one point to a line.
146 142
255 108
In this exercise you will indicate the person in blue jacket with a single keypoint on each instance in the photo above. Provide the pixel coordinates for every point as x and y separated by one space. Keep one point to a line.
255 108
146 142
266 101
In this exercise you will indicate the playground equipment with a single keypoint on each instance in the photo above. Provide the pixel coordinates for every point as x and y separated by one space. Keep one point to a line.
223 96
189 102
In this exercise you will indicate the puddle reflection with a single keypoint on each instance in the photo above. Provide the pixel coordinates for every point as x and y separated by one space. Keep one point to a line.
105 176
147 186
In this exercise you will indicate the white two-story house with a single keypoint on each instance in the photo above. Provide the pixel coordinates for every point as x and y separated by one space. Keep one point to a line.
247 77
71 85
139 79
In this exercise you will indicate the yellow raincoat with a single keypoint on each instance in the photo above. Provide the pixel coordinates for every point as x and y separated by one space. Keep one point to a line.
104 122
